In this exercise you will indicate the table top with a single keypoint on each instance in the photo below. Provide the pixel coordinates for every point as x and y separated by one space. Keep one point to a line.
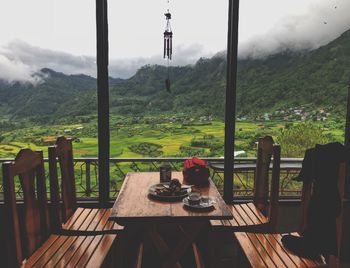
134 206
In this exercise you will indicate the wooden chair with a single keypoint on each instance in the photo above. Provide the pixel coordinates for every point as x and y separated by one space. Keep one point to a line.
251 216
29 239
70 214
266 250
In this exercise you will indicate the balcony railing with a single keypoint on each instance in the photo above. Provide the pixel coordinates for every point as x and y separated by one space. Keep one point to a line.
86 174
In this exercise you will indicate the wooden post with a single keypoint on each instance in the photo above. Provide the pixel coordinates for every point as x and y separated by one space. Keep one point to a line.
103 100
345 238
347 144
230 109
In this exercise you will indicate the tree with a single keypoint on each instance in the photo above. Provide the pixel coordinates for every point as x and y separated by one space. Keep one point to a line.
296 139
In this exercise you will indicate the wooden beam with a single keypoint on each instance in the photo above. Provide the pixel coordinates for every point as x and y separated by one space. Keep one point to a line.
347 144
230 110
102 99
344 249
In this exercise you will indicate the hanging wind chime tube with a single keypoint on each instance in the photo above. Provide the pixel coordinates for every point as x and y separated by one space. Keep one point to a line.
168 38
168 46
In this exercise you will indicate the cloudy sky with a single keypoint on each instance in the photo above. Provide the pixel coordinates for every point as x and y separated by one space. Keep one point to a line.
60 34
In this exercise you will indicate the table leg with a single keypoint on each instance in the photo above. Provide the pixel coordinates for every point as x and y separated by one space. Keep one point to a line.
128 245
160 244
189 235
186 241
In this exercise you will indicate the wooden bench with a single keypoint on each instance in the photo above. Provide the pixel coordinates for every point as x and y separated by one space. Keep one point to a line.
266 250
30 241
251 216
62 154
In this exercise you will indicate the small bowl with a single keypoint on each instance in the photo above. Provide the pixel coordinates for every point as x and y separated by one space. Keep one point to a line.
194 198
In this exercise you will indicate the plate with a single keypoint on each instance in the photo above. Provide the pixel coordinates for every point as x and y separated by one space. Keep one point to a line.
205 203
152 192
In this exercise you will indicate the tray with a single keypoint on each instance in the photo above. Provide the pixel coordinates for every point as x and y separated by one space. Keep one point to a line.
185 190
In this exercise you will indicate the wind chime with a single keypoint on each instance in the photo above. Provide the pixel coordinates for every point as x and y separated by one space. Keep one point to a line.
168 46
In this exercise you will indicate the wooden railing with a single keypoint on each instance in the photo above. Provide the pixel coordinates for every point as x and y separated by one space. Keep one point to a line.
86 173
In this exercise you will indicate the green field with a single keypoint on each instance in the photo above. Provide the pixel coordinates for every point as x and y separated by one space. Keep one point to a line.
149 137
163 137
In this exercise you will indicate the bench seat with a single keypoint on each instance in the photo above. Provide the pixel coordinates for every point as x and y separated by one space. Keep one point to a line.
245 216
78 251
267 250
72 251
91 219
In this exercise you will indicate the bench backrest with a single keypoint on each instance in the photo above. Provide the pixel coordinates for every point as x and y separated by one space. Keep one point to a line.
265 197
62 153
22 242
305 201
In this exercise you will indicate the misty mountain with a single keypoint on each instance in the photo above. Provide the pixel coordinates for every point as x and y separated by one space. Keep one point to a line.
314 79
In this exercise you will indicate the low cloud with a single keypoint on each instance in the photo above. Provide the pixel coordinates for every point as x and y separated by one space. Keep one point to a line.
323 22
182 55
36 58
20 61
13 70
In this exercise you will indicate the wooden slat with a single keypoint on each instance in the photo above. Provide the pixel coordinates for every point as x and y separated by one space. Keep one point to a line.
268 248
72 242
287 260
237 216
249 250
80 220
95 219
88 220
261 250
41 251
308 262
257 213
61 251
100 246
116 226
296 259
102 224
251 215
215 223
102 250
233 221
258 250
89 252
50 251
72 219
100 213
301 262
244 216
71 251
77 250
274 256
80 251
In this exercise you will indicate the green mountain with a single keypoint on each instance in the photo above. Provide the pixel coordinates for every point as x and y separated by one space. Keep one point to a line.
313 79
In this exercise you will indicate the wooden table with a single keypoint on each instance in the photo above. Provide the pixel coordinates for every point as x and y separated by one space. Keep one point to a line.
136 211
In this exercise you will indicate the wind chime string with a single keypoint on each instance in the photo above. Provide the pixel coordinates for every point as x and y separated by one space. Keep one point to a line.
168 46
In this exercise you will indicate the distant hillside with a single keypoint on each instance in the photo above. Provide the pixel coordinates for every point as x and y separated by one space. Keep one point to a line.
314 79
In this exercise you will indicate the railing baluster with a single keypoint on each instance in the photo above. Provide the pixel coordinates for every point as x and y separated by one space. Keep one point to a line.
88 179
120 166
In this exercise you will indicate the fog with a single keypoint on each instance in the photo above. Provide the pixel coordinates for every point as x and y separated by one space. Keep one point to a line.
318 24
